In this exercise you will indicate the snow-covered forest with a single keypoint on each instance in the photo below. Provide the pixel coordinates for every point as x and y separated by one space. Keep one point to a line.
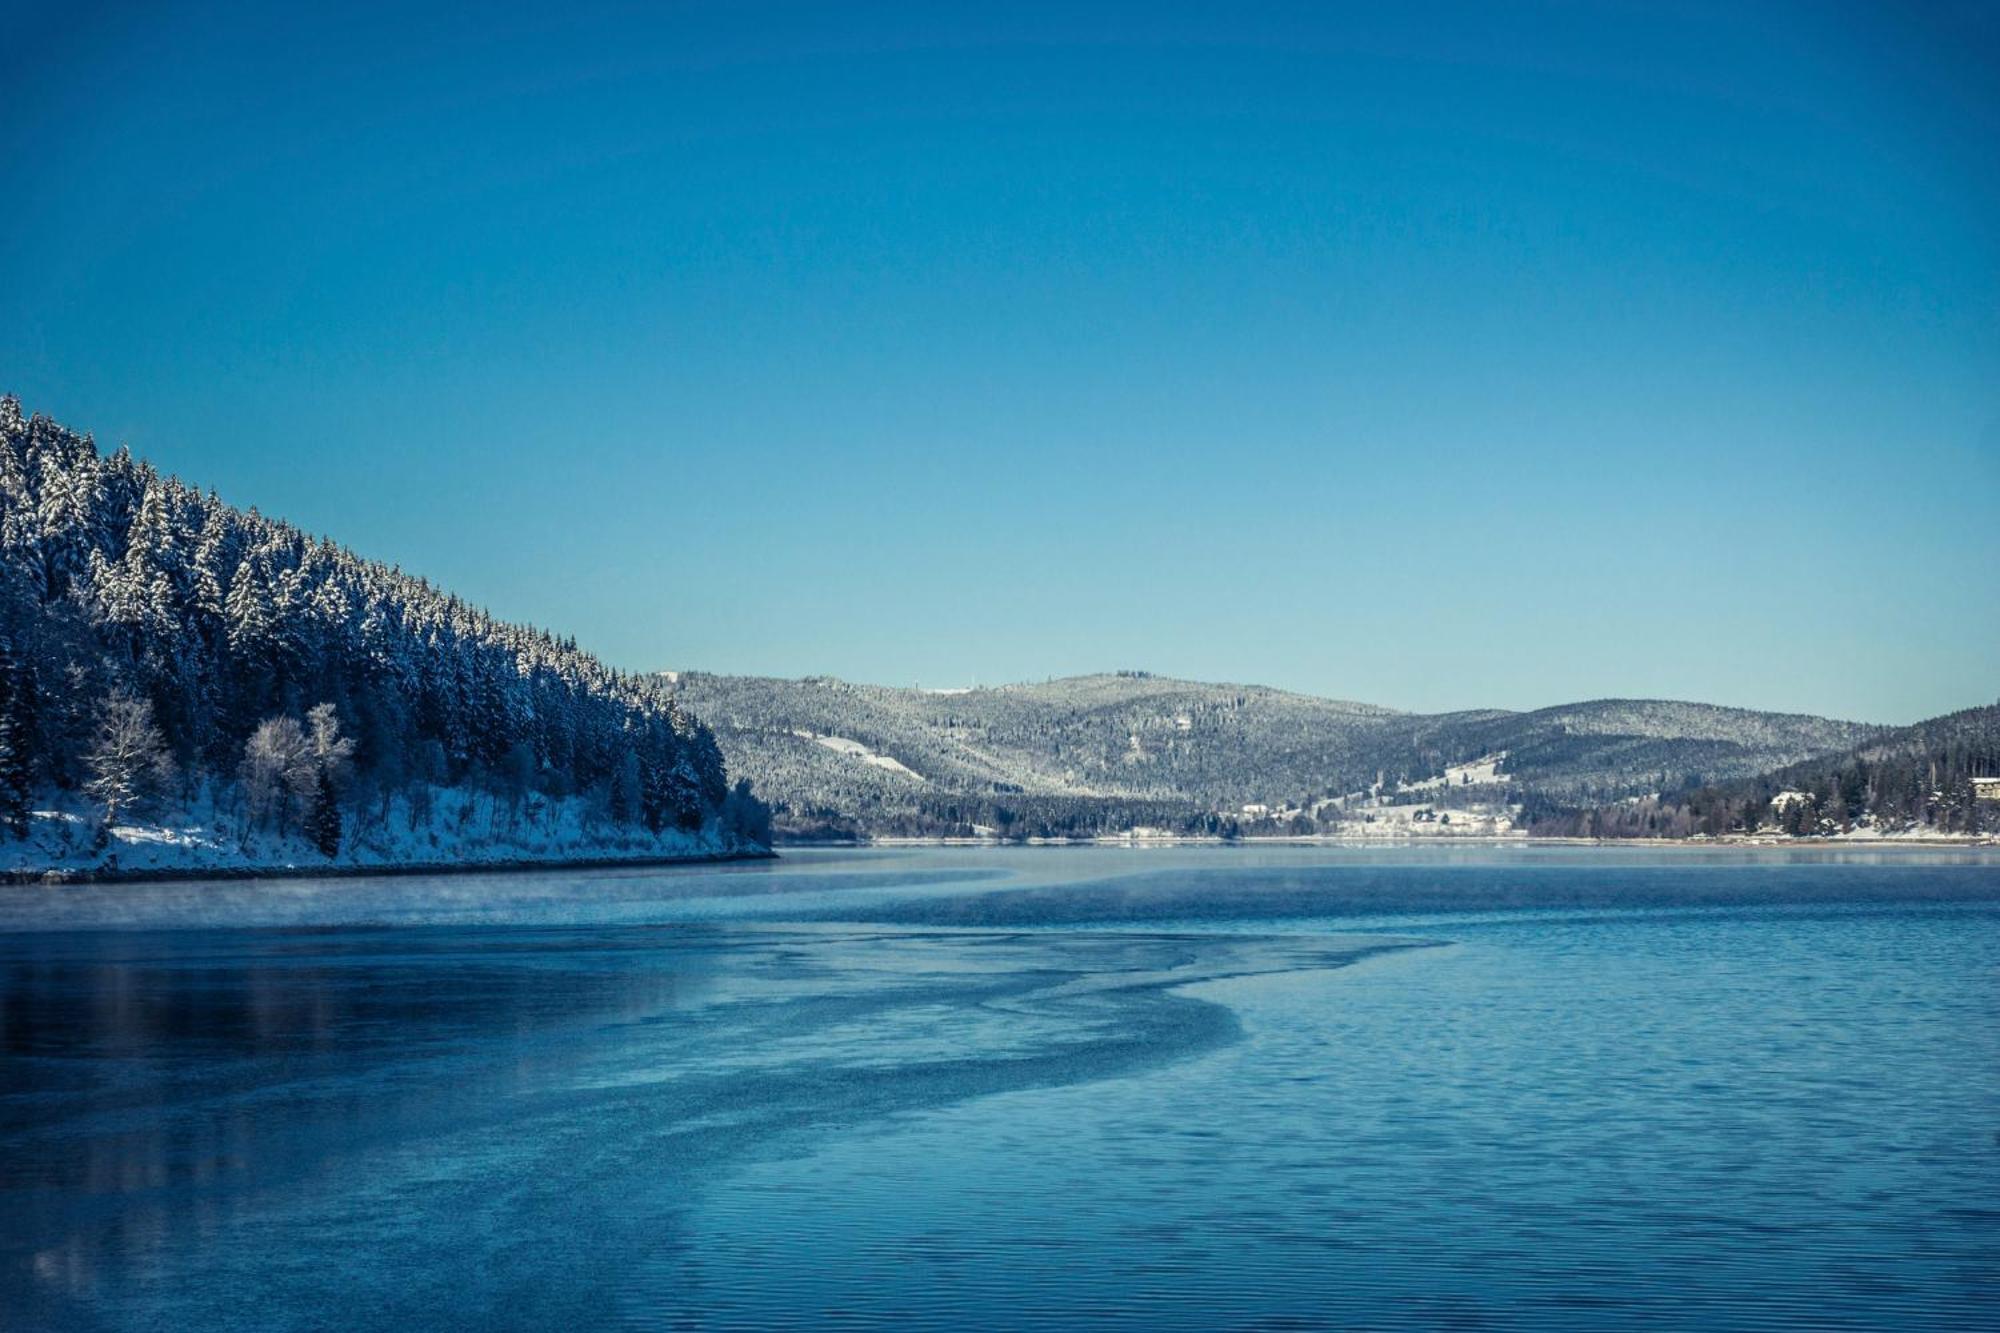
185 684
1915 781
1096 755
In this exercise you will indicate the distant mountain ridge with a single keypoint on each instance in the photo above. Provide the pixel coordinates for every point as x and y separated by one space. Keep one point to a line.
1915 781
1101 753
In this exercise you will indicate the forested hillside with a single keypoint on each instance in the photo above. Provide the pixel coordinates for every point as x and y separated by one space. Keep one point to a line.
178 673
1093 753
1910 781
1101 754
1610 748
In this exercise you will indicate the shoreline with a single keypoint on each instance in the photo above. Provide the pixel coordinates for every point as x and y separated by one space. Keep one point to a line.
1378 844
64 877
61 877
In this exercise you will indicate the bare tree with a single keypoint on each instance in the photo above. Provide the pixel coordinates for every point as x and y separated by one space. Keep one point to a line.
280 771
127 761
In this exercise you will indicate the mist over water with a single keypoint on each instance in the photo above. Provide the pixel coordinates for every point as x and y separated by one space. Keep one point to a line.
1189 1088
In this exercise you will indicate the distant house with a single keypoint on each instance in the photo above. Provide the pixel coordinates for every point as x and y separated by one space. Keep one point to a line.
1986 789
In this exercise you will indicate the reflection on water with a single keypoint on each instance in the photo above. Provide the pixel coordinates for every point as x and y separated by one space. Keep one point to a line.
158 1087
1159 1097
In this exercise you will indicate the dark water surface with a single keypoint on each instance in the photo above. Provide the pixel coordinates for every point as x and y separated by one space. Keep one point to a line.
1194 1088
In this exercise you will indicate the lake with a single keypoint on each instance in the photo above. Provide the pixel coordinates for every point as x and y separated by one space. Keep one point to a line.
1277 1087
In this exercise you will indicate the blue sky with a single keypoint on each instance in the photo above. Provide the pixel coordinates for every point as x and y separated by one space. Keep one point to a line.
1436 356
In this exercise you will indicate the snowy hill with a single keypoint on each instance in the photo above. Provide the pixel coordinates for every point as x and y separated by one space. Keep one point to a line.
1105 753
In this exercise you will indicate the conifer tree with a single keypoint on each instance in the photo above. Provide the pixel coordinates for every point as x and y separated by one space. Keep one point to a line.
16 778
13 805
323 823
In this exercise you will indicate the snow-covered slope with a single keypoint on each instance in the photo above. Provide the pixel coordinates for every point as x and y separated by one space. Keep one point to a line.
1103 753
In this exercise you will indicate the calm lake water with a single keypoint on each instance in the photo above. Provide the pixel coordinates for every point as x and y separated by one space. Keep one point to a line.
1160 1089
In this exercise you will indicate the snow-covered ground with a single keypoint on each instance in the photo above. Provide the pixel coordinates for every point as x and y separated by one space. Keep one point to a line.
856 750
461 827
1866 830
1450 812
1484 771
1423 821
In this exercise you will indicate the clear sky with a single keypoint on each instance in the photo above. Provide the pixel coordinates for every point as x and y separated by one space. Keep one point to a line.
1434 355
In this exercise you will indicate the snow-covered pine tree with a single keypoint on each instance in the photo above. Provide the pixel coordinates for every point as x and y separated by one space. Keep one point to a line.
16 778
13 813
